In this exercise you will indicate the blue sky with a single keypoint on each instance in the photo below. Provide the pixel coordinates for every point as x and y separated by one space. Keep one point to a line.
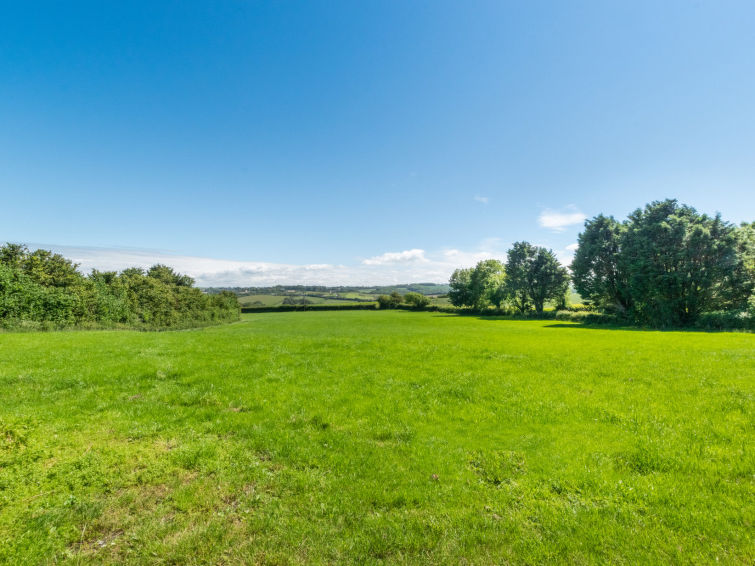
362 142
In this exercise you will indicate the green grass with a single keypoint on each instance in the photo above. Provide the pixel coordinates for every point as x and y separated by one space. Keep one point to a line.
377 437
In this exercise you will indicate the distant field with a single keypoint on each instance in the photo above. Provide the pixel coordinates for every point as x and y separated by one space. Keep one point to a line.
268 300
344 299
377 437
276 300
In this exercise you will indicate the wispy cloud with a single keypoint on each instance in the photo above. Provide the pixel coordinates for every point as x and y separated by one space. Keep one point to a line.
415 255
483 200
572 247
558 220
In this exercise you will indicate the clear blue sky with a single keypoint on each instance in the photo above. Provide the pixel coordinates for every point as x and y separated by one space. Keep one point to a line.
332 132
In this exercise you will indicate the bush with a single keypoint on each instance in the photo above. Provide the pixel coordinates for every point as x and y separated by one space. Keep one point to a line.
725 320
44 290
416 300
391 301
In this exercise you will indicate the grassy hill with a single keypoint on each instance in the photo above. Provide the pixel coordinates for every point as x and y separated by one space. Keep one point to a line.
377 437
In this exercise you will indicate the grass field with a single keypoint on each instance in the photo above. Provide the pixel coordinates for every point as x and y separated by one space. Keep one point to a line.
377 437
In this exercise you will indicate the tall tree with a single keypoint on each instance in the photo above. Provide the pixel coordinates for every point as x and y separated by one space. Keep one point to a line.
484 281
534 276
745 236
680 263
458 292
598 269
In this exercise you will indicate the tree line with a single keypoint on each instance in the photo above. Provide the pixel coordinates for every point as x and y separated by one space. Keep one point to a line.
665 265
43 289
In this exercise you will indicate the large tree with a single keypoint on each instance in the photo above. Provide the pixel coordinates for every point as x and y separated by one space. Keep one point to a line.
745 236
680 263
534 276
598 270
458 292
477 286
484 281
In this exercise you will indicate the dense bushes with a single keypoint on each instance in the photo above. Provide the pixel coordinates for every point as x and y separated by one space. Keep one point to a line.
416 300
391 301
44 290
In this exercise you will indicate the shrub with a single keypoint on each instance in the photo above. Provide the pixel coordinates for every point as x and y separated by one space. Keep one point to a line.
416 300
391 301
42 289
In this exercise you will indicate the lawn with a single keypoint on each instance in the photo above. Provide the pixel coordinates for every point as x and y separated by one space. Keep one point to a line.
377 437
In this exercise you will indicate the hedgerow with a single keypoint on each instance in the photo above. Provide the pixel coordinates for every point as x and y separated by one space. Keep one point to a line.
42 290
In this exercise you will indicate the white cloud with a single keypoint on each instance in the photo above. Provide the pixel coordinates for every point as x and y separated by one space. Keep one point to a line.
566 255
397 257
460 258
483 200
409 266
558 220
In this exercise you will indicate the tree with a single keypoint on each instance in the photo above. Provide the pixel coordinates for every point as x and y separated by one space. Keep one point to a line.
598 270
479 286
389 301
484 280
459 293
167 275
680 263
533 276
13 255
416 300
745 238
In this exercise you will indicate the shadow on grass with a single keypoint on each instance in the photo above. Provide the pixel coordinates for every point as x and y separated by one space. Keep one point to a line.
609 327
588 326
645 328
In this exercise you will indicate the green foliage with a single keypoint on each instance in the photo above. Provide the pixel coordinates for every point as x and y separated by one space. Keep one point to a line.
485 281
598 273
295 301
479 286
47 289
377 438
391 301
459 288
680 263
745 275
416 300
667 265
534 276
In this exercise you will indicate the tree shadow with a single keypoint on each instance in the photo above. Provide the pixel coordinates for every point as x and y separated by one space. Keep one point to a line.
587 326
582 326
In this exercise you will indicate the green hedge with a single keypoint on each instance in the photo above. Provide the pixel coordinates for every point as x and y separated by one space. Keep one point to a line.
42 290
290 308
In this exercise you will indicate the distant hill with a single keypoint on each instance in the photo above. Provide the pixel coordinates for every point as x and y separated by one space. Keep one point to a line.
322 295
424 288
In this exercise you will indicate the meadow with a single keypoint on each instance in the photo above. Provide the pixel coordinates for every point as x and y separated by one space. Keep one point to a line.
275 300
377 438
